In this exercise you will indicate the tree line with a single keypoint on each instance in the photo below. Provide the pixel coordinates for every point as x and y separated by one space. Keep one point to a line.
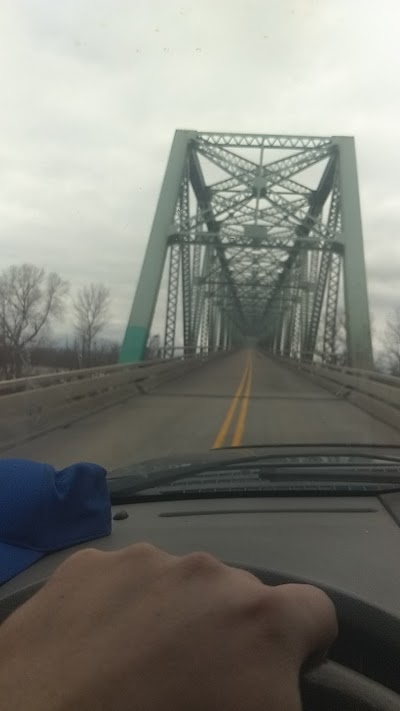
31 301
387 356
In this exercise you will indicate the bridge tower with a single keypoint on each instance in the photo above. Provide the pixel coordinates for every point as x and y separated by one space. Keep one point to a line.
260 239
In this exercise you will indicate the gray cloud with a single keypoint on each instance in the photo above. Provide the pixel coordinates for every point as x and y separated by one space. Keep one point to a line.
92 91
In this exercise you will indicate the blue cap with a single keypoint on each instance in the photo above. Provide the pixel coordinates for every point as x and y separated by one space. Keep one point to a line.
43 510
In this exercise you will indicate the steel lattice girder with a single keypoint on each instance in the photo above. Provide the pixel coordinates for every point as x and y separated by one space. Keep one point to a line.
184 217
258 250
258 140
172 301
329 342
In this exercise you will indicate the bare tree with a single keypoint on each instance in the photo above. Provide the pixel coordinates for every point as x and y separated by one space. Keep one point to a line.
29 300
91 308
341 350
341 343
339 356
391 343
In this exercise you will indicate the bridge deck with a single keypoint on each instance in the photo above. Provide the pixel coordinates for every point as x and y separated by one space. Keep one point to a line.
193 413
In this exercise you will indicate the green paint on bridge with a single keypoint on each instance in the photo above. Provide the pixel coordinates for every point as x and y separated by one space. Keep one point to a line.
134 345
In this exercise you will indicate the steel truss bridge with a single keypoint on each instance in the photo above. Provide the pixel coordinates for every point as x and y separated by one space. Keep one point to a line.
260 239
255 251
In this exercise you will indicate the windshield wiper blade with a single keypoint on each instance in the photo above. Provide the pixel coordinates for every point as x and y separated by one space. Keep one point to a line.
133 484
322 445
166 471
264 490
165 475
375 465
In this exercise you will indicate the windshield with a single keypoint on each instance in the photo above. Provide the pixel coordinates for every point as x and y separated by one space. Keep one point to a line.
199 229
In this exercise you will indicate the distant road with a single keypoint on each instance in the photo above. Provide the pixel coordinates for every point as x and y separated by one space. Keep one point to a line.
244 398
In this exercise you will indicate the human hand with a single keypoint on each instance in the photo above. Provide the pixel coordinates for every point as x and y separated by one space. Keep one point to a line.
142 630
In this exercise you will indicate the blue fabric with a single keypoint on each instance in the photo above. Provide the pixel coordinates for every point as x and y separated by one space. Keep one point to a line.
43 510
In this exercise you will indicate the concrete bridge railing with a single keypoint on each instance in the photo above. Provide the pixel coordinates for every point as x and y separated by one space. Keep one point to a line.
374 392
32 406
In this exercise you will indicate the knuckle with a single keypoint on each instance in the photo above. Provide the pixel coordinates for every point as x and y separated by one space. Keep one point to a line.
77 561
199 562
142 550
140 554
84 556
267 609
262 605
277 624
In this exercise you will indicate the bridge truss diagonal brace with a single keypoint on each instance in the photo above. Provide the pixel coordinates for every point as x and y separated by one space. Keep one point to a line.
200 190
144 303
307 225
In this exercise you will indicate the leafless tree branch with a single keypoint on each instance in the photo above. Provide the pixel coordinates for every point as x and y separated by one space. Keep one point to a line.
29 300
91 308
391 342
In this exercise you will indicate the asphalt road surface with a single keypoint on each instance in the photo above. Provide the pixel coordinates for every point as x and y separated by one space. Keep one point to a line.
244 398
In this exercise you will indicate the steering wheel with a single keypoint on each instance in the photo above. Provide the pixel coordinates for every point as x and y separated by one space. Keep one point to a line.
331 686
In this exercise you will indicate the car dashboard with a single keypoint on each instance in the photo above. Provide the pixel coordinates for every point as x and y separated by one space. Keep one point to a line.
349 545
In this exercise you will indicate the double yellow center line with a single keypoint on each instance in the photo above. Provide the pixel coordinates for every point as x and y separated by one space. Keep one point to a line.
241 395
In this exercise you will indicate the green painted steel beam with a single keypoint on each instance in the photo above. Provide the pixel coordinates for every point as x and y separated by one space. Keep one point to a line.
355 279
144 303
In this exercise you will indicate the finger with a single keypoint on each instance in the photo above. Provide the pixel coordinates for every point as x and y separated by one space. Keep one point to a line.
310 619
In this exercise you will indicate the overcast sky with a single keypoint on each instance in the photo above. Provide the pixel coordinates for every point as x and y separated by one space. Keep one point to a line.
92 91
